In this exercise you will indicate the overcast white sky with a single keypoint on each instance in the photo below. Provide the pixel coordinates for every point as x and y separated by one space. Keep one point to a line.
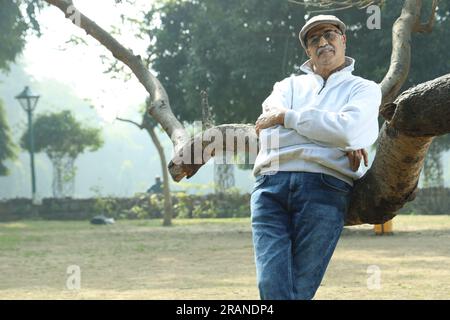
79 66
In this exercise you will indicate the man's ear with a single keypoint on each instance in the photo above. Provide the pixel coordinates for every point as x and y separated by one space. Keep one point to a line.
344 40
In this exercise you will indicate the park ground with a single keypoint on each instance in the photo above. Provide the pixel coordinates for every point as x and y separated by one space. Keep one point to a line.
211 259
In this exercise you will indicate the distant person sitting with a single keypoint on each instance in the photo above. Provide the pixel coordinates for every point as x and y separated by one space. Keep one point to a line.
157 187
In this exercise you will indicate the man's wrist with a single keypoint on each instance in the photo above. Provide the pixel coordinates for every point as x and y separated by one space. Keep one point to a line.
280 117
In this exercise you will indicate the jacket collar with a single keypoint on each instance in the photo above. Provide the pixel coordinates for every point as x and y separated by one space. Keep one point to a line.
349 66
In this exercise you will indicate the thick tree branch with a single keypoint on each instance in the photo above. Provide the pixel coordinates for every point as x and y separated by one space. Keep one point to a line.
401 50
233 138
414 119
424 110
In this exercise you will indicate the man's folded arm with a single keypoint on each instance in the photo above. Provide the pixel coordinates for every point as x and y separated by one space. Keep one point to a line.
354 127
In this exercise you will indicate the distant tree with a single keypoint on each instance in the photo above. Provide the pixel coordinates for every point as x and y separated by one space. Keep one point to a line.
63 139
14 26
13 30
7 146
12 33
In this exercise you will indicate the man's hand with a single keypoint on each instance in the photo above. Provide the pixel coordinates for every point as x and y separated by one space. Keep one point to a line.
354 157
270 118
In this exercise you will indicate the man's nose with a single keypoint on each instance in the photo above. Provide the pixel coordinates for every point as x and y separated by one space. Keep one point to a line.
322 41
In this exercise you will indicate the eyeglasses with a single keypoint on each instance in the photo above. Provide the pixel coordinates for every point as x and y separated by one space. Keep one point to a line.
329 35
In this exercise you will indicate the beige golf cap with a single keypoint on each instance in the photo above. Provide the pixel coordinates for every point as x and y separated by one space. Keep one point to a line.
315 21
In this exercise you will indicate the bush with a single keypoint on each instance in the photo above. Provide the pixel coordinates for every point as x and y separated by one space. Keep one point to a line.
183 205
137 212
227 205
106 206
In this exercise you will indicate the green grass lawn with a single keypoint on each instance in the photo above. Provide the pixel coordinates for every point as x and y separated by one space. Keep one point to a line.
210 259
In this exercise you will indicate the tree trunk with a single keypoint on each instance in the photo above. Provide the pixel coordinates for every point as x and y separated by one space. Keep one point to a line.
57 177
168 208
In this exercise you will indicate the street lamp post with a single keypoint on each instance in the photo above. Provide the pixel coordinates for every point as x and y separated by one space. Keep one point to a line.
28 101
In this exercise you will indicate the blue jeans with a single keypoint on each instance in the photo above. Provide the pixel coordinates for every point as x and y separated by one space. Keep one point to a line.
297 219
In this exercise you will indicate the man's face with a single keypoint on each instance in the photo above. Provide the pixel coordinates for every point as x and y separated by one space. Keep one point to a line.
326 53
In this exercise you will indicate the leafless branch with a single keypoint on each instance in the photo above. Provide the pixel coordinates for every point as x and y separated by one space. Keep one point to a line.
333 5
427 27
140 126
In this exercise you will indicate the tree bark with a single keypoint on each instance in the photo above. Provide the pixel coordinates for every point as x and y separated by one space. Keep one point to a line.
200 149
412 121
401 50
168 207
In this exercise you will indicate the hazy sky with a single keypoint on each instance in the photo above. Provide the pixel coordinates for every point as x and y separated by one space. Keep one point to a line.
80 66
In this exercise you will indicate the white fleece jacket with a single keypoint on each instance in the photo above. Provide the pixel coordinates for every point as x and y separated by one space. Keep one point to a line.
326 118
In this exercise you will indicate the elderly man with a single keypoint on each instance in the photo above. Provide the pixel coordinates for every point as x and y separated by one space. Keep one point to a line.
322 120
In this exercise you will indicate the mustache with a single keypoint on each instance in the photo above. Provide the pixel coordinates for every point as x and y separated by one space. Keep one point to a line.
327 47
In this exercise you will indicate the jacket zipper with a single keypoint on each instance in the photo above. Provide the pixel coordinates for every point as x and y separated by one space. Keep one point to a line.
324 83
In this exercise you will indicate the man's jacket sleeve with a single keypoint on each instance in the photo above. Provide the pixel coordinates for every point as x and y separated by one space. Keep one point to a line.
353 127
280 96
